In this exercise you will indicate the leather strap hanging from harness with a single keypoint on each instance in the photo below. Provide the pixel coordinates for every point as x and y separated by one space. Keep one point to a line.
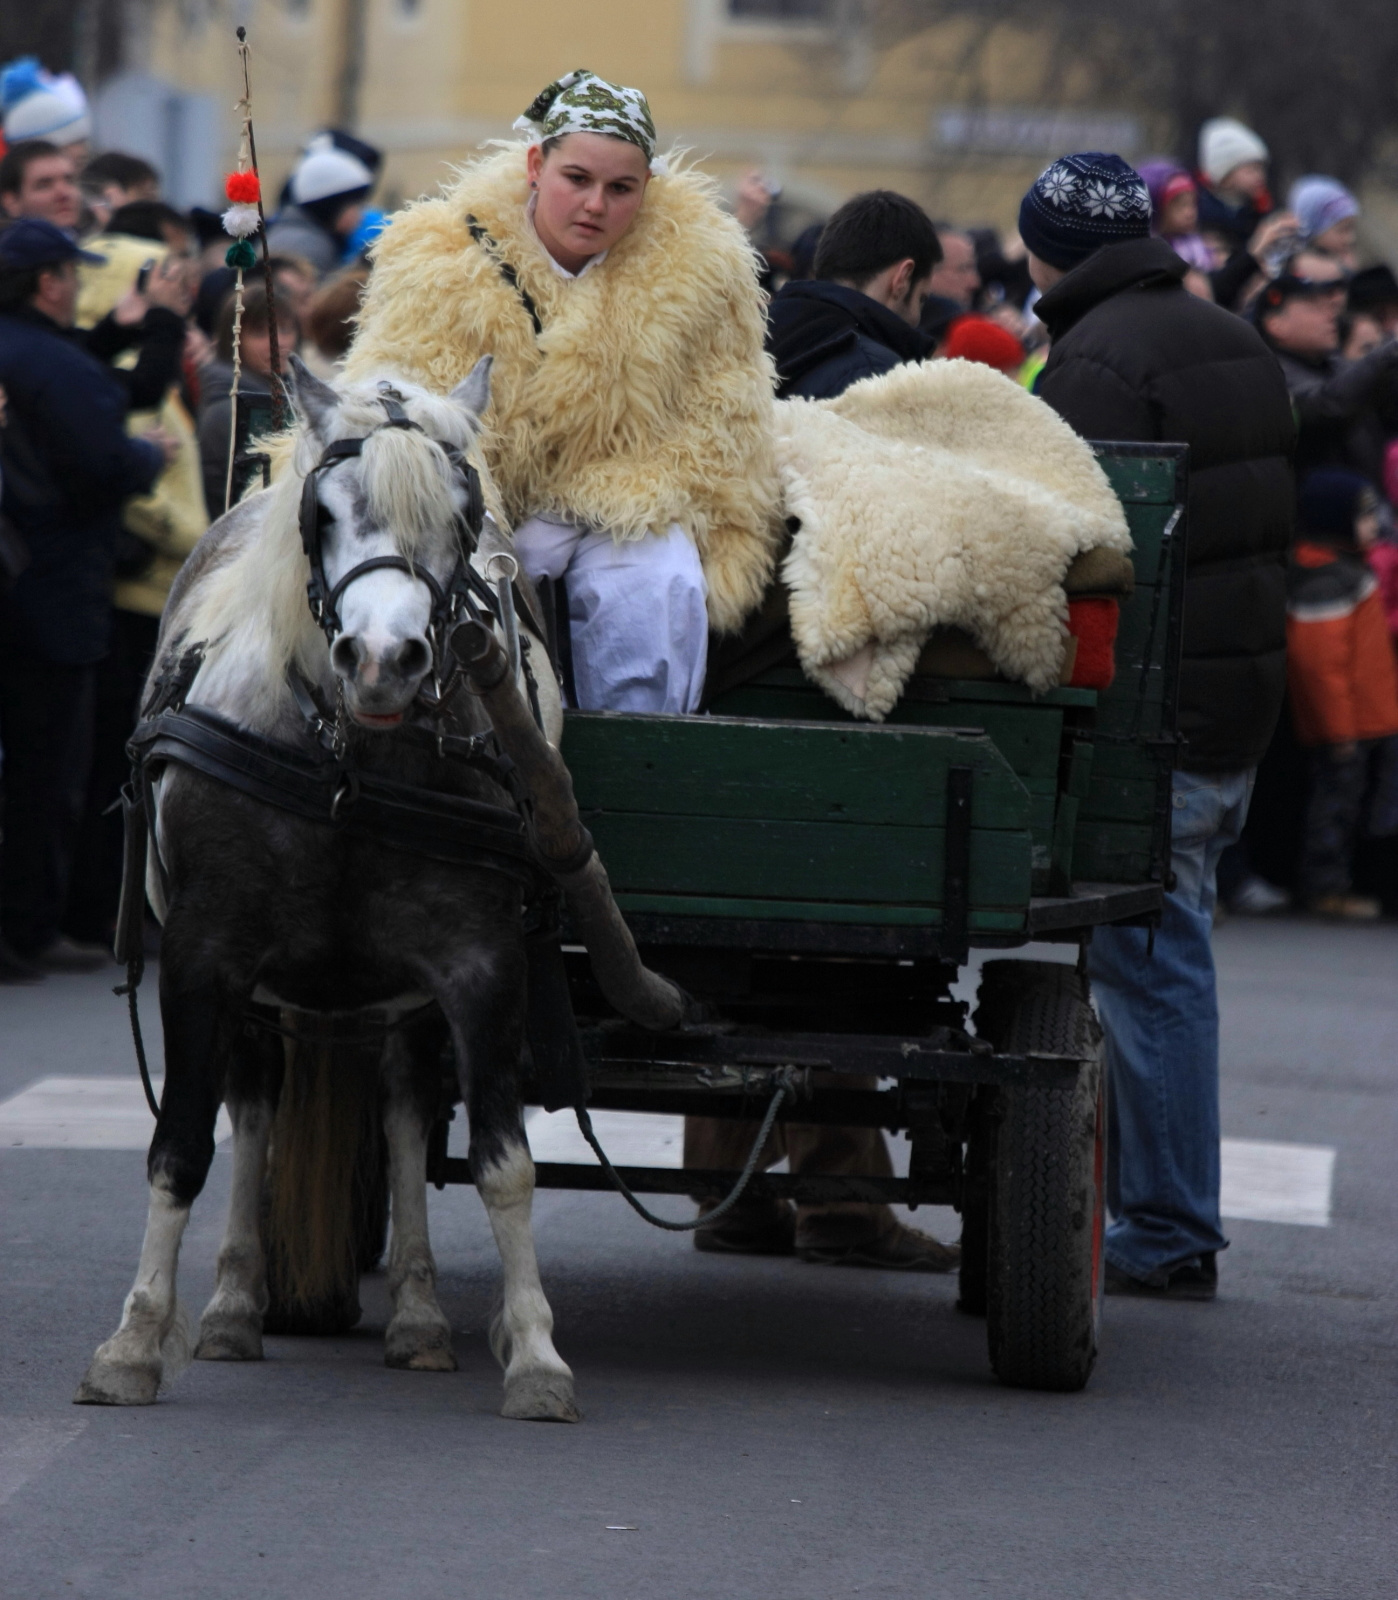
506 271
402 816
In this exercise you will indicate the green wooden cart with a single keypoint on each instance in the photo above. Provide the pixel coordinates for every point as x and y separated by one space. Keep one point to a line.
818 882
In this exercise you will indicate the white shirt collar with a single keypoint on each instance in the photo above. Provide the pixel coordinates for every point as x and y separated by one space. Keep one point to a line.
563 272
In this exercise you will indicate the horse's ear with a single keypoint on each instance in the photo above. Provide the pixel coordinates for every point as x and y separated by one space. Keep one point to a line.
472 394
314 400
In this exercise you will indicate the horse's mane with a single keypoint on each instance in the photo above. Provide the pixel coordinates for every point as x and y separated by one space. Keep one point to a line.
250 609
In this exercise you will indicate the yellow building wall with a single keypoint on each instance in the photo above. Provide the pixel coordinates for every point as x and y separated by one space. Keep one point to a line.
441 76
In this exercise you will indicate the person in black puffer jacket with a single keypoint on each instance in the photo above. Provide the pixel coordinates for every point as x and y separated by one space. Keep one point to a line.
858 317
1136 357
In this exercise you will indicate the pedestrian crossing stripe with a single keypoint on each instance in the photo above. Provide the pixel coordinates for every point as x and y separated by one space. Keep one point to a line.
84 1114
1263 1180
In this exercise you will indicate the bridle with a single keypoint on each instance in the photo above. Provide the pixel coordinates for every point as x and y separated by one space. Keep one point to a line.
465 596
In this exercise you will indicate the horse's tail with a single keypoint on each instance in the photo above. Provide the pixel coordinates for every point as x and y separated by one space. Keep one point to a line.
326 1200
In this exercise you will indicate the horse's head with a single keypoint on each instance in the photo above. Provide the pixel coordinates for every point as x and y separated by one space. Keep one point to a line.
385 502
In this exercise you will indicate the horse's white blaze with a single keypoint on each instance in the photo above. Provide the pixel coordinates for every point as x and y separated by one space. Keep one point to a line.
381 610
507 1188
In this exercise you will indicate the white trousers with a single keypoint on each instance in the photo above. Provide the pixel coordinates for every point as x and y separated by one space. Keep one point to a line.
636 612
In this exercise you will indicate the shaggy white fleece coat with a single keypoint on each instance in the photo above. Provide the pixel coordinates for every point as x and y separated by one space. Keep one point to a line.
938 494
647 398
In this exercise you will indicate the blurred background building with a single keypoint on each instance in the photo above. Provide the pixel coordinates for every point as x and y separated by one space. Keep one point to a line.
959 103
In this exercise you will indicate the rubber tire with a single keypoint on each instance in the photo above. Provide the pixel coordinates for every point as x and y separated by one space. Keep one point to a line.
1047 1182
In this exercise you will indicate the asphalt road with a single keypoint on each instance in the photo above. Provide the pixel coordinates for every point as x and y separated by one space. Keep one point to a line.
752 1429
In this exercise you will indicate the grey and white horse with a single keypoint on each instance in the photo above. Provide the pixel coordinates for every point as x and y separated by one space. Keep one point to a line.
261 905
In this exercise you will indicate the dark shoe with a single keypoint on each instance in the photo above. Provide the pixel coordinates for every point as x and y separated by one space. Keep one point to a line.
1196 1279
15 969
844 1241
754 1228
68 955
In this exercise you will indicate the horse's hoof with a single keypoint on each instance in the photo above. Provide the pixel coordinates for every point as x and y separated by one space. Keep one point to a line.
107 1384
229 1339
419 1348
540 1397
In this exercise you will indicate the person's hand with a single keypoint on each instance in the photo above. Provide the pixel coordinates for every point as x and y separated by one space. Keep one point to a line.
753 199
1277 232
131 308
166 443
171 286
198 347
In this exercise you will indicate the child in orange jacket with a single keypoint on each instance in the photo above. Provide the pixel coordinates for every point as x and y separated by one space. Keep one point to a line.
1343 680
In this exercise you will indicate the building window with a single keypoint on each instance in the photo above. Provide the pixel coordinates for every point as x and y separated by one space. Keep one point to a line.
803 12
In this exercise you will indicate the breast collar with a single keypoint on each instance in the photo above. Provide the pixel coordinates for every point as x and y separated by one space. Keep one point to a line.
465 596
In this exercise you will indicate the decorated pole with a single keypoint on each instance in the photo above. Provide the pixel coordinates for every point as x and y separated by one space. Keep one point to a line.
244 219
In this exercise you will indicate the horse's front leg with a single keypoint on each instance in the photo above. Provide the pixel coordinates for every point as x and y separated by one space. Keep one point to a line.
419 1335
487 1027
231 1327
152 1342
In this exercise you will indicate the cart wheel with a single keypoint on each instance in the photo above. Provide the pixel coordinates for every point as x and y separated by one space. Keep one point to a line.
1047 1194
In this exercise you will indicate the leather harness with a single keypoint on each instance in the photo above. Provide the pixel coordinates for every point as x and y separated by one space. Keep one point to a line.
324 784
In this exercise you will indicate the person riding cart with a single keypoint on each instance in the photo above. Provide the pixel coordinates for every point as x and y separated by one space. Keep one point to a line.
629 433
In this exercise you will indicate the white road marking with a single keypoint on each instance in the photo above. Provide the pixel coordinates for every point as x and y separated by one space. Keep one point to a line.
630 1138
1264 1182
84 1114
27 1446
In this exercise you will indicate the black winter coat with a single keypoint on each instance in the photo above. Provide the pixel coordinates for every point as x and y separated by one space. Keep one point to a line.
68 465
824 337
1136 357
1340 407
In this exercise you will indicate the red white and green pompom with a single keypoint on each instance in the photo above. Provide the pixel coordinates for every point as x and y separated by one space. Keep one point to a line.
243 188
243 218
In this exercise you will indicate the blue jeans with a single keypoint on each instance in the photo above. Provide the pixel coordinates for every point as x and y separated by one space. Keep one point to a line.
1160 1016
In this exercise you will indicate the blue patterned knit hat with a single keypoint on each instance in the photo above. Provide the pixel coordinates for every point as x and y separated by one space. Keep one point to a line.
1081 203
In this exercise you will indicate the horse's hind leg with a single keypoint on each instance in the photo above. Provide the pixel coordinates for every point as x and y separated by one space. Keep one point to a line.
538 1382
231 1327
152 1341
419 1335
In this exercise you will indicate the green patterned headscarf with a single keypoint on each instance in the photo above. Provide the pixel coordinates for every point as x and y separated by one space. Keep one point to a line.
581 102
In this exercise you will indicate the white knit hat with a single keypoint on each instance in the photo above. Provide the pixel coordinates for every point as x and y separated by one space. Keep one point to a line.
1224 143
39 105
325 171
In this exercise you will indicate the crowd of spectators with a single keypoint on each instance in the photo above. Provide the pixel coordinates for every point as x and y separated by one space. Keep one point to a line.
1295 273
120 441
117 443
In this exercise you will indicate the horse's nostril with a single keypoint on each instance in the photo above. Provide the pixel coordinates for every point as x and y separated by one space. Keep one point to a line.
344 655
414 658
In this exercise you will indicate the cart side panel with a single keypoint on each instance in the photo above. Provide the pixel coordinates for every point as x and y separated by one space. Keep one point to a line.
712 816
1025 728
1121 834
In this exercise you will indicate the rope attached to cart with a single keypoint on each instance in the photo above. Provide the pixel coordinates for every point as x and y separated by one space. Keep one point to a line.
784 1088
